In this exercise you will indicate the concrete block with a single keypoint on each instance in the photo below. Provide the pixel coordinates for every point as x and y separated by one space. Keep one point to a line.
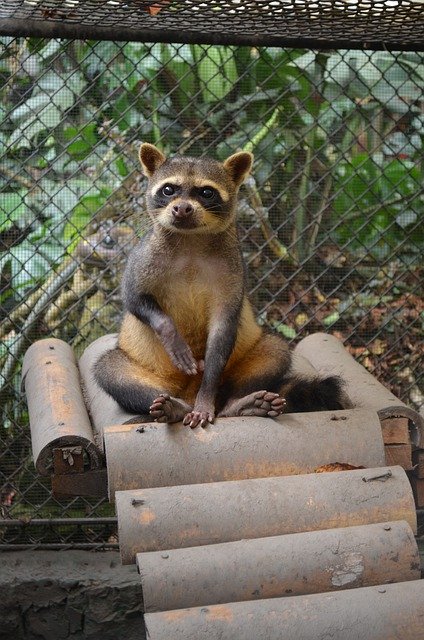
61 595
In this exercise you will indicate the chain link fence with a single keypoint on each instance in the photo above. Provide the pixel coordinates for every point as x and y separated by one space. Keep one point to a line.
332 220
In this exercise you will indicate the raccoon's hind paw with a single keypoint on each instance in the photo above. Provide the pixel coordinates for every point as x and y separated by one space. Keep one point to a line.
167 409
263 403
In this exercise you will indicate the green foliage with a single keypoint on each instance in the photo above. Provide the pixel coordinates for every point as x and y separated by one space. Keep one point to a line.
53 96
217 72
337 138
382 201
285 329
81 142
78 220
12 208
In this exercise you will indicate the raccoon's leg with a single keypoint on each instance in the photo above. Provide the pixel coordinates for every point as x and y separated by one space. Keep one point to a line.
251 385
138 390
261 383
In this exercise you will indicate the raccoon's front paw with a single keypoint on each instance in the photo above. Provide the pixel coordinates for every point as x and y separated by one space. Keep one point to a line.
176 347
181 355
199 418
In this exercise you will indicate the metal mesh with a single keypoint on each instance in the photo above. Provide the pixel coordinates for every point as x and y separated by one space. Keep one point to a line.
325 23
331 222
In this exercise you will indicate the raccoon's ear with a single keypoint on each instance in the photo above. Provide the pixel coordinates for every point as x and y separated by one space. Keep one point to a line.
238 166
151 158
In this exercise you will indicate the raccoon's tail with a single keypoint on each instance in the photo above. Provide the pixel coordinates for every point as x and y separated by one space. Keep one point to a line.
314 394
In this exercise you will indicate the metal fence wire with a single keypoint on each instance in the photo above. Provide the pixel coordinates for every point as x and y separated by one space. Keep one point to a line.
332 220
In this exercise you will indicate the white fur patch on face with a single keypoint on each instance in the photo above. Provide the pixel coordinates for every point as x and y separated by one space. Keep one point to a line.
179 180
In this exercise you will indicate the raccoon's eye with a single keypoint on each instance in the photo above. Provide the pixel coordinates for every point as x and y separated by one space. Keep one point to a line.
168 190
207 192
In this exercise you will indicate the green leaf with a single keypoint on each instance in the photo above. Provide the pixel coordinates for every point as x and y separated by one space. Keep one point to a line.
285 330
81 216
122 167
331 319
217 73
78 149
12 209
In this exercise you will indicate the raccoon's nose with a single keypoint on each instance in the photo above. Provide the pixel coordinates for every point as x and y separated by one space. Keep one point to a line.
182 210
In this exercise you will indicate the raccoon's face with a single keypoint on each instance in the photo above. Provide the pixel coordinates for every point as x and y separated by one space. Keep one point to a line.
191 195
